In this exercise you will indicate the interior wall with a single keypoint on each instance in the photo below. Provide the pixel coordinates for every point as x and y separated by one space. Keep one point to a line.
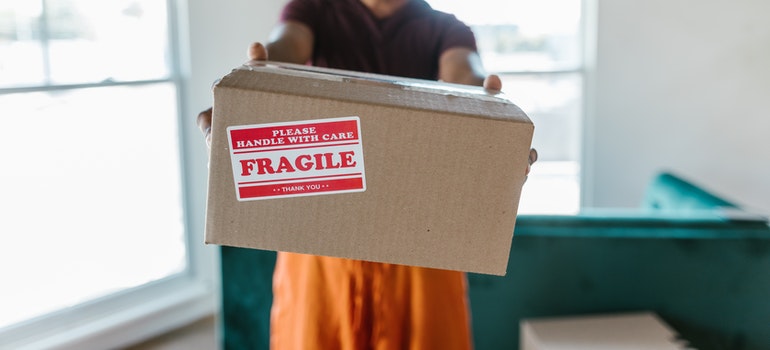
213 39
683 86
220 33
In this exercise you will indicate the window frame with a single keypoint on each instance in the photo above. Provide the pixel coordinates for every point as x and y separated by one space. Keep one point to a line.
135 314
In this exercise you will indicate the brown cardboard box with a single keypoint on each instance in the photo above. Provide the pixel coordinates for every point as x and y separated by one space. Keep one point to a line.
363 166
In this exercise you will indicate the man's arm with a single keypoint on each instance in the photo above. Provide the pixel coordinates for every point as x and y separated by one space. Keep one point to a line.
463 66
290 42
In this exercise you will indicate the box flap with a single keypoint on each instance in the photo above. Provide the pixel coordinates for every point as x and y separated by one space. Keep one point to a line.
285 78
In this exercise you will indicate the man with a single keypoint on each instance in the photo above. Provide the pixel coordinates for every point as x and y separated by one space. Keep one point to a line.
332 303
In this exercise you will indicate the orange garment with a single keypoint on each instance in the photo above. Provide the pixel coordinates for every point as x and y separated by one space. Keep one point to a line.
332 303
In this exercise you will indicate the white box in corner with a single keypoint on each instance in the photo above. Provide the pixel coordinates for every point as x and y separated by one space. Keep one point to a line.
628 331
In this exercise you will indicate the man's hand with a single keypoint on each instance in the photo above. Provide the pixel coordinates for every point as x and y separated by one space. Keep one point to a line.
493 82
256 52
204 124
532 160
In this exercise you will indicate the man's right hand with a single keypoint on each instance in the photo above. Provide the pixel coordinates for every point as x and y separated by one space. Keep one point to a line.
256 52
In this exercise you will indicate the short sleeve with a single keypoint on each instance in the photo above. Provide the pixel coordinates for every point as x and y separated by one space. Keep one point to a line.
303 11
456 34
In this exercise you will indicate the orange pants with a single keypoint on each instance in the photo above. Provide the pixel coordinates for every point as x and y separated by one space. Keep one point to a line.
331 303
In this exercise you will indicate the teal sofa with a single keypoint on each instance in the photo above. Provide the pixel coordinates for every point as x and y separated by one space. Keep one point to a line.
692 257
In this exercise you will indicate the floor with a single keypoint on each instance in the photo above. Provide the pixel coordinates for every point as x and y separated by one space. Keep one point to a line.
200 335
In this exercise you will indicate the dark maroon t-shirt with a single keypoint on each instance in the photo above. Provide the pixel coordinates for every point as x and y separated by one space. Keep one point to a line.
408 43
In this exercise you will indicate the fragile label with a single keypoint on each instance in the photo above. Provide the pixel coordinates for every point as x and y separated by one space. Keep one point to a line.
292 159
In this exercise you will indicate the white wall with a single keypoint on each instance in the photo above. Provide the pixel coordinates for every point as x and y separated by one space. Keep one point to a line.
214 38
682 85
220 33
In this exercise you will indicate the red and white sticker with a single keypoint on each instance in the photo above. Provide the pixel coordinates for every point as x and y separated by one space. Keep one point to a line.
293 159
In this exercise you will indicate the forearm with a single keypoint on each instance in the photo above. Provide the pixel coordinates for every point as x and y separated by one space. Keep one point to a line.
461 66
290 42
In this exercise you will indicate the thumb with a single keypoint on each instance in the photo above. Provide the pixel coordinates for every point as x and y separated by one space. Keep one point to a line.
493 82
257 52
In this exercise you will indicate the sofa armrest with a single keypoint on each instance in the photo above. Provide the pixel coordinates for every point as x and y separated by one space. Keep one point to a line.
668 191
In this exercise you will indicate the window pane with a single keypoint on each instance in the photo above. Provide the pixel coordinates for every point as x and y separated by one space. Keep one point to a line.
96 40
21 52
82 41
522 35
551 188
91 195
553 102
541 37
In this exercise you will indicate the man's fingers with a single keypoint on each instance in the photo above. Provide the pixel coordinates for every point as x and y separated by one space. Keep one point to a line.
532 156
493 82
204 121
257 52
532 160
204 124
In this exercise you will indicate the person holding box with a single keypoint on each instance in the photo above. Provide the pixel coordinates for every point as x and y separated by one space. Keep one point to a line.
333 303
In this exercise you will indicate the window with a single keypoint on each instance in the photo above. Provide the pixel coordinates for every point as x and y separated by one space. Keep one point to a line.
92 202
535 49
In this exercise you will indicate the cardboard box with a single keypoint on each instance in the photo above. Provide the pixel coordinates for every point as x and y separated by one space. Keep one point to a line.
628 331
362 166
